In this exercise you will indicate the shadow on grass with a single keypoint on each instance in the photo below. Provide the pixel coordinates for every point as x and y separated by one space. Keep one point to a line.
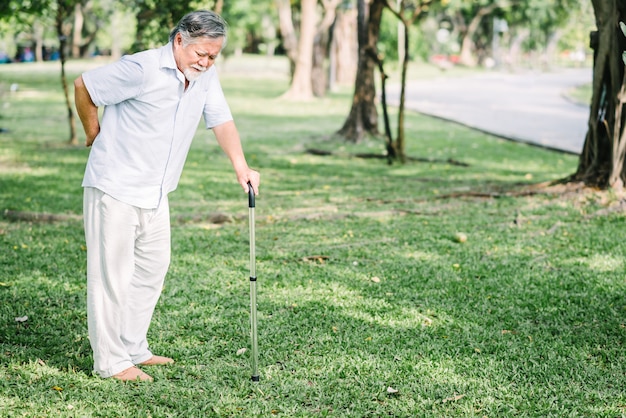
42 301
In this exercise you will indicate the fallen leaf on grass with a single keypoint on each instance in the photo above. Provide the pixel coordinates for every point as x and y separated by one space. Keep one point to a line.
376 279
453 398
317 258
57 388
460 237
241 351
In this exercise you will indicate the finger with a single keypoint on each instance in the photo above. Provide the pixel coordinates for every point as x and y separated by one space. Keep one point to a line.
255 187
255 181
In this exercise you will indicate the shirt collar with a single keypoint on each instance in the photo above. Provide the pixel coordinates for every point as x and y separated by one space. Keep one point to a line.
167 57
167 61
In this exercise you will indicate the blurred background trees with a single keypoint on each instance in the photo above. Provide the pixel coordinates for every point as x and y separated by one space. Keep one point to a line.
334 43
489 33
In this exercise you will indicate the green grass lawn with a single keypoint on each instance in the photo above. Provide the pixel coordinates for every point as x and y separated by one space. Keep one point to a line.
368 304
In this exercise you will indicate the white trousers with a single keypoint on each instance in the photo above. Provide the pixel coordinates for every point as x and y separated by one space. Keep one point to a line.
128 254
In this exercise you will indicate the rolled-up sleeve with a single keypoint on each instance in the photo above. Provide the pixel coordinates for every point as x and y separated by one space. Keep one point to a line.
216 109
115 82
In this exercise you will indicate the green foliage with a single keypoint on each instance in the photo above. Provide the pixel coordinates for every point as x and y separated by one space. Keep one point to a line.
575 32
542 17
419 47
538 18
10 8
248 24
157 18
368 303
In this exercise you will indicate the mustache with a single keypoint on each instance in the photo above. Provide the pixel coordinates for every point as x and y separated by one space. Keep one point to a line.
199 67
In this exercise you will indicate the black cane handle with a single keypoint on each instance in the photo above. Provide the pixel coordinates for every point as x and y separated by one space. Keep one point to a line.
250 195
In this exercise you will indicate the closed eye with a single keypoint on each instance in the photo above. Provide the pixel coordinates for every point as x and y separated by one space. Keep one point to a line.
204 54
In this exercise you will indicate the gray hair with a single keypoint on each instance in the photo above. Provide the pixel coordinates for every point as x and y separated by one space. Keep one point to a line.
200 24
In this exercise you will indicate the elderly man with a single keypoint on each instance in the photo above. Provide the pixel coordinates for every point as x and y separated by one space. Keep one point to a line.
153 101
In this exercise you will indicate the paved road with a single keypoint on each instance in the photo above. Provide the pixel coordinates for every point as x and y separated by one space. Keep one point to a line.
528 107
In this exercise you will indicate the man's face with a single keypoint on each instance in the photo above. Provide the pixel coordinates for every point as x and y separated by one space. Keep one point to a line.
195 58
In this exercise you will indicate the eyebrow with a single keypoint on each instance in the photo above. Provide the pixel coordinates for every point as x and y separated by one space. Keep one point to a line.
203 53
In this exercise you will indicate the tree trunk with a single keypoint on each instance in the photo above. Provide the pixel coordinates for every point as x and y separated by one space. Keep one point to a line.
219 5
344 49
319 77
77 38
389 143
549 54
399 144
363 117
63 35
116 46
301 88
466 56
38 30
395 149
513 57
288 33
601 162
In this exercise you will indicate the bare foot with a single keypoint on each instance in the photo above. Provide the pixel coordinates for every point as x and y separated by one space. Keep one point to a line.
157 360
133 374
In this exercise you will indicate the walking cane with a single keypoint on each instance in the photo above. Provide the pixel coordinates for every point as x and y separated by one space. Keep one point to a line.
253 330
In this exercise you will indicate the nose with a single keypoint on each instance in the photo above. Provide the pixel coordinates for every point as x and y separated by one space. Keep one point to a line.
205 62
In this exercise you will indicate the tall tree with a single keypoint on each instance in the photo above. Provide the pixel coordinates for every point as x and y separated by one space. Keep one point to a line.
301 87
344 49
395 148
531 22
363 116
471 14
312 34
288 32
63 19
62 12
601 162
321 43
543 21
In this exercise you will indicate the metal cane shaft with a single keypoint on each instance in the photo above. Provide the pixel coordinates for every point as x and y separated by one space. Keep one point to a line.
252 240
253 319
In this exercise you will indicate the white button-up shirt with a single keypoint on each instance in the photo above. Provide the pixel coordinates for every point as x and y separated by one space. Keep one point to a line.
148 124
